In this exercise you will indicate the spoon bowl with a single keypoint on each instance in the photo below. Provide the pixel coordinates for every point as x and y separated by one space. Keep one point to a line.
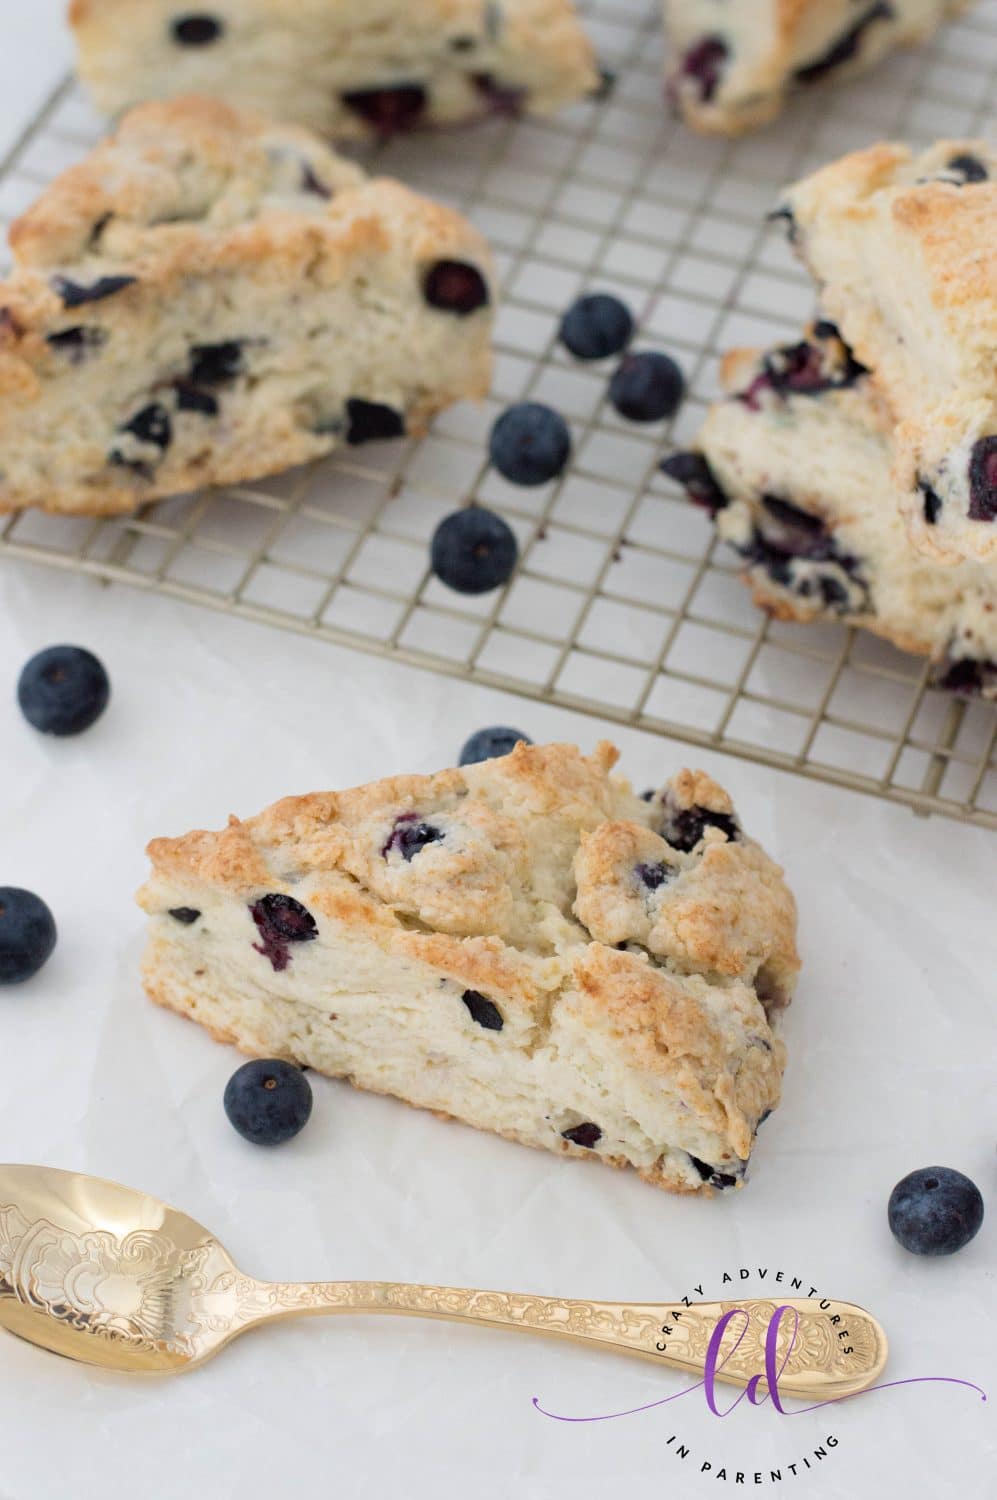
109 1276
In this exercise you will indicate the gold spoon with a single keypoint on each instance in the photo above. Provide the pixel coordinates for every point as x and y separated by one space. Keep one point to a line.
109 1276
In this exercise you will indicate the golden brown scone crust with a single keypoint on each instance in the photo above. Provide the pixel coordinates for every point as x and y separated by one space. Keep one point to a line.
901 247
215 228
526 887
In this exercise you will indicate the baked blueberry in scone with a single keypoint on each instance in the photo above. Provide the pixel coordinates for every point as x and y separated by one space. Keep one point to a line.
522 944
208 298
731 63
795 467
344 68
902 247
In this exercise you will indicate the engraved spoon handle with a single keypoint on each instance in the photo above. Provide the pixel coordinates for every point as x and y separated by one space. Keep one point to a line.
837 1348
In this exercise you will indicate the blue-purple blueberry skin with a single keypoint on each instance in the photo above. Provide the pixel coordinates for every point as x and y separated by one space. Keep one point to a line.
935 1211
268 1101
27 934
63 690
473 551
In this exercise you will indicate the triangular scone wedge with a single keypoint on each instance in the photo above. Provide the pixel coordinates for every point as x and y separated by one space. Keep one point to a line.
523 944
902 247
347 68
208 298
795 468
731 66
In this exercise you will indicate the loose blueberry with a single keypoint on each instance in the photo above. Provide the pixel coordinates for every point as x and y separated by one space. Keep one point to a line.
684 828
654 876
409 835
213 364
846 48
27 934
280 921
483 1011
473 551
647 387
372 421
935 1211
692 471
588 1135
63 690
530 444
983 480
388 110
714 1176
490 744
704 63
74 295
969 168
455 287
185 915
268 1101
596 325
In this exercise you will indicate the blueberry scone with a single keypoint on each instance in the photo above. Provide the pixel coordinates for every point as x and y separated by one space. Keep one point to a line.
733 62
521 944
795 467
343 68
902 247
208 298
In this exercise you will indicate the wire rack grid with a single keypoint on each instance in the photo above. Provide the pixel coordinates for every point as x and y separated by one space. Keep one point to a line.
622 605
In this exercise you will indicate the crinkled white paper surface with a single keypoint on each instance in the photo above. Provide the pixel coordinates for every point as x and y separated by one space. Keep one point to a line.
892 1066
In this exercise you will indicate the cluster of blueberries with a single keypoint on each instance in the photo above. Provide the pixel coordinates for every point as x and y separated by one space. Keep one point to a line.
65 689
475 550
61 691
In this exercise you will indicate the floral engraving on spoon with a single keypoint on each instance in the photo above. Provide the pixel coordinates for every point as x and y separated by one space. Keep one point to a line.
132 1289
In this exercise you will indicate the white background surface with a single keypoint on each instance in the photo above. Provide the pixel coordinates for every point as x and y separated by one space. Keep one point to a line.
891 1067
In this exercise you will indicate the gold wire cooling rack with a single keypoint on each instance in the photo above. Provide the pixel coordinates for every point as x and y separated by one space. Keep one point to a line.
622 606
